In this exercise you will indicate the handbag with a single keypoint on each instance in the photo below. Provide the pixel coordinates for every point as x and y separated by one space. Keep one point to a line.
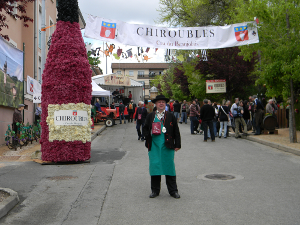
249 125
229 121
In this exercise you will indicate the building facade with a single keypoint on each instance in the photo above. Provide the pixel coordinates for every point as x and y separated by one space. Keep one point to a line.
28 39
142 72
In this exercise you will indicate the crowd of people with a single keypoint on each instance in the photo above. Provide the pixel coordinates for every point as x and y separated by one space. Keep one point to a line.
212 119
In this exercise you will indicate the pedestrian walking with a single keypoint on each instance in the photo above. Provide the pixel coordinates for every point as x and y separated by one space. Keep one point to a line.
223 118
38 113
240 120
194 113
17 118
207 113
176 107
162 140
140 117
258 114
121 112
131 109
184 110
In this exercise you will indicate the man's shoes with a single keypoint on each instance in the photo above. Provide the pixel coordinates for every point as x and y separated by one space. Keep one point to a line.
180 122
139 138
225 137
175 195
256 134
205 141
212 140
153 195
143 139
220 136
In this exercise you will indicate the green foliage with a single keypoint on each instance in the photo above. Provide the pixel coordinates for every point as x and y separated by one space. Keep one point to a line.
279 47
93 61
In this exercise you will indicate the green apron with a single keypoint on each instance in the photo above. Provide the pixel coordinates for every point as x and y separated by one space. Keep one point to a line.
161 158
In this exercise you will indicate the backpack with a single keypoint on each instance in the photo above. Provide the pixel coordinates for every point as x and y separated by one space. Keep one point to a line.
130 106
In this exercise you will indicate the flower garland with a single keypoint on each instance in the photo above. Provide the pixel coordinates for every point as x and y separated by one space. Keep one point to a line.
69 133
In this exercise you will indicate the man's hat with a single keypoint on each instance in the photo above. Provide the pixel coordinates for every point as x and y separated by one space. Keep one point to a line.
160 97
21 105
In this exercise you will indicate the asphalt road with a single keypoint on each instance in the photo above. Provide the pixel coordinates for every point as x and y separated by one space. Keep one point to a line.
114 187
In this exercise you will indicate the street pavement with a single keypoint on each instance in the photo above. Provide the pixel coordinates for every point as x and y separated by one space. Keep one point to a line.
114 187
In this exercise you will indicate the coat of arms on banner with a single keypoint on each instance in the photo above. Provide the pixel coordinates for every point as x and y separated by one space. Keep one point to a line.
108 30
241 33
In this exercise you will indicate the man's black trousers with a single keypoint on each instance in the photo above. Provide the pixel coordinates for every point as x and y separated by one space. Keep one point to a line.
170 181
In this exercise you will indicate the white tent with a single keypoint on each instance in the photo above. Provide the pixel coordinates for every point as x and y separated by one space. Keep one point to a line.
135 87
97 91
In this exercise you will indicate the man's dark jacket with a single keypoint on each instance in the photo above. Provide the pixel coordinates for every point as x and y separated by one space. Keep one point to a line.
172 136
142 111
207 113
121 108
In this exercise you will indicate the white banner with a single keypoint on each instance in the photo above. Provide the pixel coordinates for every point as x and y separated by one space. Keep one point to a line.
33 86
71 118
215 86
209 37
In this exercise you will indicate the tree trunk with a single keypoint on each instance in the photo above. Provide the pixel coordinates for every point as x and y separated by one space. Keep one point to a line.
292 121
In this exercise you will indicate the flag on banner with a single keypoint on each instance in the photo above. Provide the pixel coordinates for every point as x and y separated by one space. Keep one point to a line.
119 52
108 30
241 33
129 53
33 86
117 57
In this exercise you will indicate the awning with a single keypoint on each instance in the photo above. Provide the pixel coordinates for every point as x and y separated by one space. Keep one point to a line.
98 91
99 79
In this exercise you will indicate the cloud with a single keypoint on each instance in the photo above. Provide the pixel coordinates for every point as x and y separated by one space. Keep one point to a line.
130 11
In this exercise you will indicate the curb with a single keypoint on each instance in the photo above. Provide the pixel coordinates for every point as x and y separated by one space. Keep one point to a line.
275 145
98 132
7 204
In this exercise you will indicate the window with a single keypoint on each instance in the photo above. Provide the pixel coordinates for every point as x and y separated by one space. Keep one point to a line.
119 72
51 29
141 73
40 70
131 73
40 39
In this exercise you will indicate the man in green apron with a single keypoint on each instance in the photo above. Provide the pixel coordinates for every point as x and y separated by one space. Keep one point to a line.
162 140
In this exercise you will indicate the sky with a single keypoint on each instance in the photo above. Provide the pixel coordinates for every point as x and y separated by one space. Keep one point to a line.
130 11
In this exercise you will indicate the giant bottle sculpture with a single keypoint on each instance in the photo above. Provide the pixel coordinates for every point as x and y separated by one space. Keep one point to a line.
66 91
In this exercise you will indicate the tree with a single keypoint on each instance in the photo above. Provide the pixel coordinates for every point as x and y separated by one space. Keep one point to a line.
279 47
8 7
195 13
226 64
